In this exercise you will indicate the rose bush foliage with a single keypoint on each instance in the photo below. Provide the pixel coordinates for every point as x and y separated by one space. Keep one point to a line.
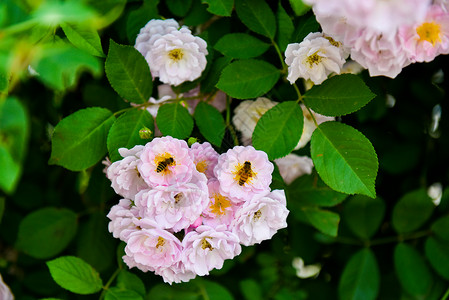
339 106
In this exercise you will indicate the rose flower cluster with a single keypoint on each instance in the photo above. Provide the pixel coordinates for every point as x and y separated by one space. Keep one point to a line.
185 210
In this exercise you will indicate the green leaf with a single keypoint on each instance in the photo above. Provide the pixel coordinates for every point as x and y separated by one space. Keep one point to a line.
174 120
209 82
10 171
95 242
309 190
210 122
125 131
285 28
197 16
412 211
344 158
441 229
278 131
14 128
139 17
75 275
220 7
339 95
4 81
306 25
323 220
179 7
60 66
412 271
438 255
53 13
299 7
363 215
251 290
179 291
128 73
115 293
214 290
129 281
241 45
245 79
46 232
257 16
79 140
84 37
360 278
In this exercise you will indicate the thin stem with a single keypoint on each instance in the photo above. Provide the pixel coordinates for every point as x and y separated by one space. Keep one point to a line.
399 238
228 121
281 58
297 92
311 114
111 279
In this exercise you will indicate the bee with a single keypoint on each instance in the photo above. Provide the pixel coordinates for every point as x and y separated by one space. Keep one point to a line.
178 197
162 165
245 173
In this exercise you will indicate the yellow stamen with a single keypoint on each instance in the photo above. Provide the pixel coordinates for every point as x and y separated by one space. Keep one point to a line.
220 204
333 42
429 31
257 215
314 59
176 54
205 244
160 242
201 166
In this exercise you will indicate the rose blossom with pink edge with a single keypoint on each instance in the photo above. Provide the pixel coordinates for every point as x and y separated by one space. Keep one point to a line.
243 172
166 161
205 158
207 248
221 209
426 40
260 218
149 249
176 273
174 207
123 216
382 56
125 178
5 292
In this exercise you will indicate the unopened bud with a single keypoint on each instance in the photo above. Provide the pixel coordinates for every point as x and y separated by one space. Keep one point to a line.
145 133
192 141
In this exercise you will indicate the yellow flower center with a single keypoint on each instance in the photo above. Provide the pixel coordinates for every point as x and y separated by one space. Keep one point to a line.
163 162
160 242
314 59
257 215
429 31
333 42
244 174
201 166
205 244
176 54
220 204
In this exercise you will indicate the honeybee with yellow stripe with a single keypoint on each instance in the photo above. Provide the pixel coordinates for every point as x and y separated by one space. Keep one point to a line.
245 173
162 165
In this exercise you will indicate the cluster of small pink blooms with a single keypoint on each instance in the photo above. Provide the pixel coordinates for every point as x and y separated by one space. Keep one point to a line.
386 36
185 210
314 58
174 55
